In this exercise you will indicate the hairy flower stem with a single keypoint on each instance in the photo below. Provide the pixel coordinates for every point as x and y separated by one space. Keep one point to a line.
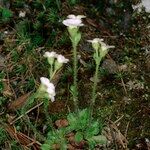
48 118
94 89
75 63
51 70
34 129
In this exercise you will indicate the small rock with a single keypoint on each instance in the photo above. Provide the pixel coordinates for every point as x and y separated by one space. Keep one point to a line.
110 65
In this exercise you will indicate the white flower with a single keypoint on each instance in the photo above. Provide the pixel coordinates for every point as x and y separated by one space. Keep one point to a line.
49 88
61 59
22 14
45 81
96 40
73 21
104 46
95 43
100 47
100 41
76 17
51 93
50 54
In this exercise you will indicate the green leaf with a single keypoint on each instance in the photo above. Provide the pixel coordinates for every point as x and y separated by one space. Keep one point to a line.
77 38
78 137
72 119
83 119
6 14
101 139
92 130
72 90
79 121
91 143
45 147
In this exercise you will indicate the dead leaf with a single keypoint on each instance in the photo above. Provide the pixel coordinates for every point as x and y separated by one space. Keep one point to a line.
110 65
7 90
70 147
18 103
23 139
56 147
61 123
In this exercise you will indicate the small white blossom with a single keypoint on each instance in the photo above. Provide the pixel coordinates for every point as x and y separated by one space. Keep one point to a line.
73 21
49 88
103 45
51 93
96 40
45 81
22 14
100 41
76 17
100 47
50 54
61 59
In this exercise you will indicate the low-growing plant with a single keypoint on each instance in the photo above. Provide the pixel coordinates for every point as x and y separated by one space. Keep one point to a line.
80 123
3 135
79 129
5 15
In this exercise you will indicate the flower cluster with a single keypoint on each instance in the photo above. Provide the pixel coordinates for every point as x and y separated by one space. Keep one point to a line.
52 55
48 88
73 23
100 46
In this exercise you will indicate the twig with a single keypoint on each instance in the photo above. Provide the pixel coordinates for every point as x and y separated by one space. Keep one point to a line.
33 140
26 113
119 119
124 87
125 134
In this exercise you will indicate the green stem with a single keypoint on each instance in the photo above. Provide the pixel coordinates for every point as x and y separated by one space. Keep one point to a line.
75 63
34 129
58 3
51 70
29 103
48 118
52 75
94 89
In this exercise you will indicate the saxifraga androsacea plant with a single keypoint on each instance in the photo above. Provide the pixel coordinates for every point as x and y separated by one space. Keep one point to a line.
100 51
46 90
73 23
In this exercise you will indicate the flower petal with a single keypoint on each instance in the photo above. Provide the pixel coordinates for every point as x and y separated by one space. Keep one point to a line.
61 59
45 81
96 40
73 22
50 54
71 16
